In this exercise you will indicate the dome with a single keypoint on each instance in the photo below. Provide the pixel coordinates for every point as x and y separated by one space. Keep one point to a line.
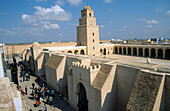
35 44
87 7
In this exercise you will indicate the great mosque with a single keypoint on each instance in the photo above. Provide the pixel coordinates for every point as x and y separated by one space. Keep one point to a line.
107 77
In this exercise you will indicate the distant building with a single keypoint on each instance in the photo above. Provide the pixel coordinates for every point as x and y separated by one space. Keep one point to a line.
156 40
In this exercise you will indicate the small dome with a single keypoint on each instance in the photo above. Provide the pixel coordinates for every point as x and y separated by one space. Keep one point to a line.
87 7
35 44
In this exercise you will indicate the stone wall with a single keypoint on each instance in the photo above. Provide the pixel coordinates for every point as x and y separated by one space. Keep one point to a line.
126 77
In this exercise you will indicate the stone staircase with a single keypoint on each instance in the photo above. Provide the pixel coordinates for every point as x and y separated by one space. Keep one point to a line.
101 76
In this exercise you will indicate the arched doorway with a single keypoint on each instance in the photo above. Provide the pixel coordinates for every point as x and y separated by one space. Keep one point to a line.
82 98
153 53
124 50
167 54
140 52
134 51
69 51
146 52
104 53
160 53
116 50
100 51
120 50
76 52
82 52
129 51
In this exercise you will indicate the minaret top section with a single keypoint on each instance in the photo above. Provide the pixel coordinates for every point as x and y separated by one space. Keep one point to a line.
87 7
87 17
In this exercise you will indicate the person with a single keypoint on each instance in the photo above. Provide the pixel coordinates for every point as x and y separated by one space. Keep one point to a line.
148 61
52 93
26 90
34 96
50 99
35 90
43 85
41 99
43 94
44 107
33 85
46 93
39 89
22 78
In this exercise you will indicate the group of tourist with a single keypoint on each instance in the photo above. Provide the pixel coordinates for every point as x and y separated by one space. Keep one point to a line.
42 94
23 75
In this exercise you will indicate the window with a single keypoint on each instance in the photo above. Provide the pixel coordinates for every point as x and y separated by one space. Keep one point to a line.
93 34
93 47
84 15
93 40
93 54
89 14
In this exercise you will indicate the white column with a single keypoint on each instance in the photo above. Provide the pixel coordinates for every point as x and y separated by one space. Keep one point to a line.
131 51
163 53
149 52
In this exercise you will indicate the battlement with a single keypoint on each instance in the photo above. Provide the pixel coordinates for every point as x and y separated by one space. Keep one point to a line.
94 67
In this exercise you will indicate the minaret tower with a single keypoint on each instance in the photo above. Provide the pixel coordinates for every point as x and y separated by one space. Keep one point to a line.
88 32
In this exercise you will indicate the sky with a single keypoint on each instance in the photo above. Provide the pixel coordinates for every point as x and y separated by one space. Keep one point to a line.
26 21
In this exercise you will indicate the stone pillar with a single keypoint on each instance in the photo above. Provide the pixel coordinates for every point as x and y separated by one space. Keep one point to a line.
131 51
123 51
126 50
143 52
149 52
137 51
163 53
117 50
156 56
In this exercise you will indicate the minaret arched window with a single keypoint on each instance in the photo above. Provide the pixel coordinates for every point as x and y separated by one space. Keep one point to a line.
84 15
89 14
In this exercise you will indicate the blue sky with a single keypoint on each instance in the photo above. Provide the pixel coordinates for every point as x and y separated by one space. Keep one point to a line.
23 21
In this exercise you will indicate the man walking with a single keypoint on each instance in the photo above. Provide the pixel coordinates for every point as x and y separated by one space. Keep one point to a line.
44 107
50 99
26 90
33 85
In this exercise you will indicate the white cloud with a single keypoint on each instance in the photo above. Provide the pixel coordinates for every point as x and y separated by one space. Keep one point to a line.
159 10
7 32
148 26
42 18
108 1
51 26
60 2
141 20
102 26
168 13
54 13
33 31
152 22
28 19
75 2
